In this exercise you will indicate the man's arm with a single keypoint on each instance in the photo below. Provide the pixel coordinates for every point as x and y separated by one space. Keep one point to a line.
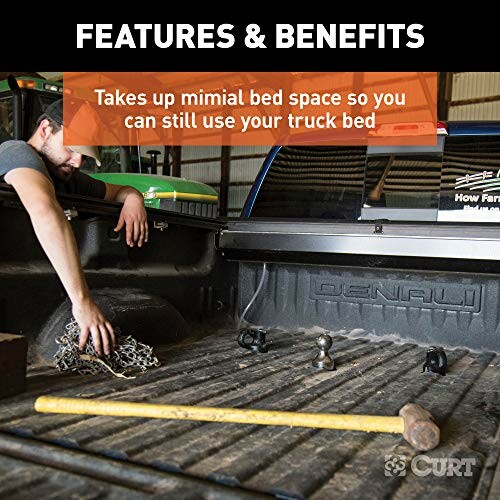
56 237
133 214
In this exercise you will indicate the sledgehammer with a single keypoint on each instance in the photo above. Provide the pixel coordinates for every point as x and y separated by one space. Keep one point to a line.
415 423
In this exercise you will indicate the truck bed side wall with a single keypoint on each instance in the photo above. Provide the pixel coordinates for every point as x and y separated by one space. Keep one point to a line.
445 308
179 264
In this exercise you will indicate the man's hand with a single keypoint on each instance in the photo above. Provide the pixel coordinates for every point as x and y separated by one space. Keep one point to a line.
91 321
133 216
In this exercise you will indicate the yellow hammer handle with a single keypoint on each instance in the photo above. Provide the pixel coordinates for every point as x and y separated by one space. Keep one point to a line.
368 423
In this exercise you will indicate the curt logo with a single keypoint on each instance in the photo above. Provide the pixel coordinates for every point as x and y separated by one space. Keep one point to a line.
423 465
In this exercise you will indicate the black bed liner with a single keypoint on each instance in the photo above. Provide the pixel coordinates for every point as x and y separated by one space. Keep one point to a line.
185 459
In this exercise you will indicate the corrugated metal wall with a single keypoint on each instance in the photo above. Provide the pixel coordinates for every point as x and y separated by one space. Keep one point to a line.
203 164
245 164
475 96
207 170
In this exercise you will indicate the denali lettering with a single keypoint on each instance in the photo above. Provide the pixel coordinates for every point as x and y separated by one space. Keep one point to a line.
394 292
385 291
361 291
412 291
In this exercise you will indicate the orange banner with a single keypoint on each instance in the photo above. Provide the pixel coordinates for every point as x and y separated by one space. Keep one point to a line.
250 108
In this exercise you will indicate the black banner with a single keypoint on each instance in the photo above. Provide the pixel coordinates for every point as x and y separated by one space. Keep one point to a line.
42 43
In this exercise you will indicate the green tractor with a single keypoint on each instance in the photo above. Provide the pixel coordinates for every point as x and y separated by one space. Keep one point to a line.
169 193
23 98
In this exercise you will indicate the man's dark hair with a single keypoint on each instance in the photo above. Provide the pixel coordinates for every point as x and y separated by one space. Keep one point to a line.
55 126
54 113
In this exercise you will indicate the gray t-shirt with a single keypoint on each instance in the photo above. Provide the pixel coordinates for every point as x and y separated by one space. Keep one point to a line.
19 154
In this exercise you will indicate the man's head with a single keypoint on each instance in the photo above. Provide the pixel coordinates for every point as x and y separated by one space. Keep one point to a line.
48 140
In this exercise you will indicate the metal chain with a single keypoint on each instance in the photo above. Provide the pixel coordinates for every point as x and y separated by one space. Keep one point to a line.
128 354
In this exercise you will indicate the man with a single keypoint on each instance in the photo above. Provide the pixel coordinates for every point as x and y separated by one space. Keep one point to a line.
39 168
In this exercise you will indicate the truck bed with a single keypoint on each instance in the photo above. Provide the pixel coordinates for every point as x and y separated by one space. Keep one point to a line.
72 456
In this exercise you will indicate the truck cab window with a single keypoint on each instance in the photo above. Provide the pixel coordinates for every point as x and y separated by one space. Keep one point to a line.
402 184
470 184
403 181
313 182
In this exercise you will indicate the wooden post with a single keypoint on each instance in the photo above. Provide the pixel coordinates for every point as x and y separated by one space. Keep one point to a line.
225 167
176 162
444 94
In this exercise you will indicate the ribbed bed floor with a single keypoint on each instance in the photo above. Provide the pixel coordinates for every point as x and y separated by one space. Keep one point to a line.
56 456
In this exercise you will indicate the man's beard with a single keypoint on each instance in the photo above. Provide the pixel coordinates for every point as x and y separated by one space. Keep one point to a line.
61 171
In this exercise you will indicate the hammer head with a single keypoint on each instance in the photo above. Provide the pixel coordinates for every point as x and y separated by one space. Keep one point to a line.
420 429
